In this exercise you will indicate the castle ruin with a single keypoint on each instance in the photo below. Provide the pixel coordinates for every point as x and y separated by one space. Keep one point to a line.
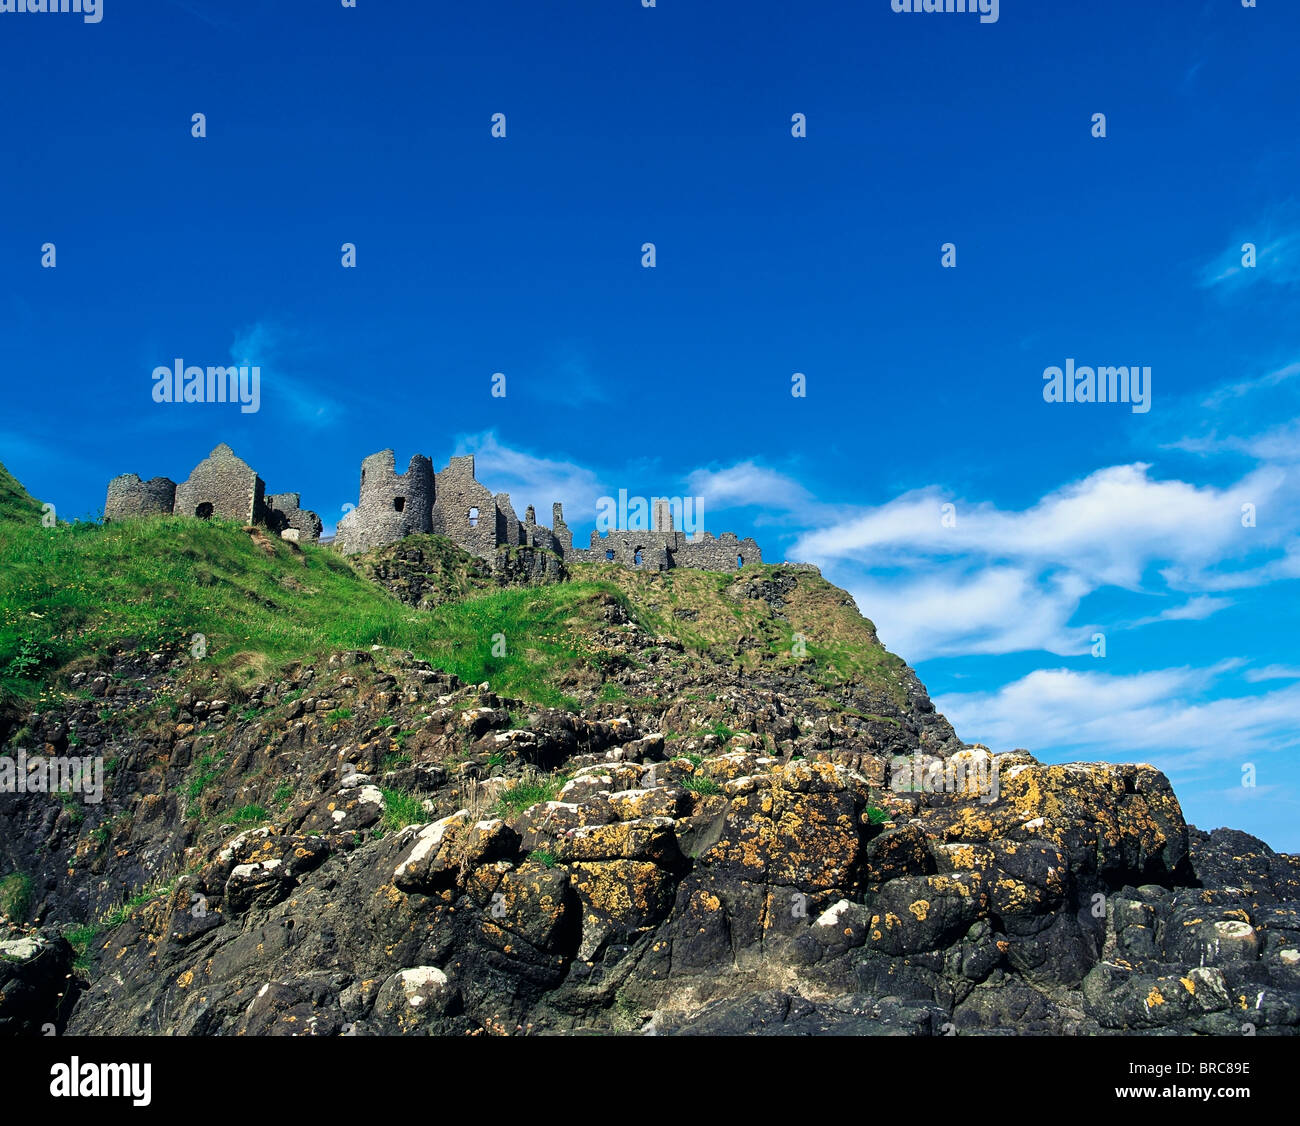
451 502
222 486
454 504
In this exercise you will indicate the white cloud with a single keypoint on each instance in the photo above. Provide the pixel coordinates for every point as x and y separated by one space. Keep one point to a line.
1109 527
1001 581
1273 672
1154 714
747 485
1194 610
991 610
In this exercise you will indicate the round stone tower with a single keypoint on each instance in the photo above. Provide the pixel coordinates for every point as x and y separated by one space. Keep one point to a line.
392 505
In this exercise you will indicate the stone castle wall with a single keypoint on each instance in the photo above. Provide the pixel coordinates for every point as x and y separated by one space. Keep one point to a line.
393 505
466 512
222 486
459 507
286 516
128 496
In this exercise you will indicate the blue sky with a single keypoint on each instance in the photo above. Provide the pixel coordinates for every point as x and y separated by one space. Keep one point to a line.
775 255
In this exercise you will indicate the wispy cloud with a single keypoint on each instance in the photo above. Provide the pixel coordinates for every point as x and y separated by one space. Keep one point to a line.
1273 672
1164 713
1242 387
1276 444
1109 527
1277 257
1194 610
285 387
951 612
750 485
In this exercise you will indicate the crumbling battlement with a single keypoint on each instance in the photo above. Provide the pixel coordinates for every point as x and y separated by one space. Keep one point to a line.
393 505
454 504
223 486
129 496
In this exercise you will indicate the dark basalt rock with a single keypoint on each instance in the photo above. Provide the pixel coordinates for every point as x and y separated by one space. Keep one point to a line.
722 854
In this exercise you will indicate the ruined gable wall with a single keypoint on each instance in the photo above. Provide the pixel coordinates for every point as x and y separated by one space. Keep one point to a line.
508 529
224 482
466 510
560 531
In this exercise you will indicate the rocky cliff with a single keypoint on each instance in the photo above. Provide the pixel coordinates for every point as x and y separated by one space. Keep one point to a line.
520 800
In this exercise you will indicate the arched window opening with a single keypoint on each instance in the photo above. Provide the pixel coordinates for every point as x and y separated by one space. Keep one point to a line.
609 557
636 557
740 562
473 517
204 511
399 504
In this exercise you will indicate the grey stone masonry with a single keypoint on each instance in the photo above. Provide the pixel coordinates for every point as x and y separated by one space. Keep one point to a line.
221 486
284 515
128 496
392 506
660 551
395 505
466 512
453 503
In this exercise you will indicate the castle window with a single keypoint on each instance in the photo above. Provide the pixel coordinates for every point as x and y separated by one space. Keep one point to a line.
636 557
473 517
740 562
204 511
609 557
399 503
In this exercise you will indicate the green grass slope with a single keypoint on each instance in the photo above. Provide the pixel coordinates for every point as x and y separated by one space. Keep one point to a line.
16 504
70 595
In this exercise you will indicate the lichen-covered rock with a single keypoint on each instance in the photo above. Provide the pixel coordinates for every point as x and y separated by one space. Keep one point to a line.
648 838
620 900
447 849
925 912
899 853
802 832
736 886
1112 821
